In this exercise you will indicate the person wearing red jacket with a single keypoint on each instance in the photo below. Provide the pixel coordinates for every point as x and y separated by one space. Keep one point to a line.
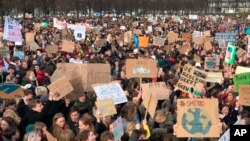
40 76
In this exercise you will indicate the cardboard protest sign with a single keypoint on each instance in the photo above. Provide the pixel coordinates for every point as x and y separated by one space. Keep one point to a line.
34 46
207 33
192 80
52 49
89 74
241 79
111 90
197 118
212 63
68 46
196 34
29 37
78 89
49 136
145 68
197 58
241 53
137 31
198 40
62 86
230 54
244 97
106 107
208 45
172 37
128 36
193 17
184 49
10 91
214 77
227 37
143 41
241 69
118 129
150 102
158 41
186 36
158 89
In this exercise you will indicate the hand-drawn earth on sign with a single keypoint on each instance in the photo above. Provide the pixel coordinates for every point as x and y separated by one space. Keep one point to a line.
196 121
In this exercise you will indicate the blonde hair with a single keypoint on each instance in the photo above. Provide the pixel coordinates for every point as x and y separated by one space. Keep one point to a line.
56 129
66 135
13 115
40 90
38 128
130 127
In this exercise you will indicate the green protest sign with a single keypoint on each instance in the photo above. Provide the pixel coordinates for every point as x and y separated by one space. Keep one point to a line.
230 55
44 24
241 79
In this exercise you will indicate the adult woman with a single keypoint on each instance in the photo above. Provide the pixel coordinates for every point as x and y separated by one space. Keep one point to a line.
86 136
59 124
38 133
85 123
102 123
7 122
30 78
66 135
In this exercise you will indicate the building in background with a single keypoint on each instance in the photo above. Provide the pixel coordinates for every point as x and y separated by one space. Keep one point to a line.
229 6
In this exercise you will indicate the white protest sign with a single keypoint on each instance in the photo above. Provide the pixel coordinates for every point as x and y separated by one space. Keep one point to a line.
12 30
59 24
110 90
193 17
79 32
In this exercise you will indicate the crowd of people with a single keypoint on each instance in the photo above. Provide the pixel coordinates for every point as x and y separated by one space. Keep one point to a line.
38 113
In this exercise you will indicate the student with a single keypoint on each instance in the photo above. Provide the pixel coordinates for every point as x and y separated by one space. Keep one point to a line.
86 135
59 125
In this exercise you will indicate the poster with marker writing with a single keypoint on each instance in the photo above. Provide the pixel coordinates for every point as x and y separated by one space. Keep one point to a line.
197 118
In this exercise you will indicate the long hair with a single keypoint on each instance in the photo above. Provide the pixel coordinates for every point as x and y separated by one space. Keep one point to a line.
66 135
56 129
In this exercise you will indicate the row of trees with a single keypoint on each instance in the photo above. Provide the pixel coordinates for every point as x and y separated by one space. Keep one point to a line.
54 7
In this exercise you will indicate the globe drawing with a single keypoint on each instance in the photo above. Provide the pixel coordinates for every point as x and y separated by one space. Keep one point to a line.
196 121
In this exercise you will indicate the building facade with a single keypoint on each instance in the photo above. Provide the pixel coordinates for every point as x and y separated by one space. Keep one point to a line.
229 6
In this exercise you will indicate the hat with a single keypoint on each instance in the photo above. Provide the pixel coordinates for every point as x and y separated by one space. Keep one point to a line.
29 128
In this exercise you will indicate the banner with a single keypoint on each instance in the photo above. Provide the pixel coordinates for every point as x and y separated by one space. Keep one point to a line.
158 41
10 91
193 17
118 130
143 41
227 37
79 32
111 90
145 68
241 79
106 107
230 54
59 24
244 97
88 74
241 69
62 86
197 118
215 77
192 80
212 63
158 89
12 30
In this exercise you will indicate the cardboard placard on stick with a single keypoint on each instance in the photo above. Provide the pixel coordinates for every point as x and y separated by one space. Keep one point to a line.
89 74
106 107
158 41
244 97
212 63
186 36
192 80
184 49
198 40
10 91
197 118
208 45
197 58
150 102
62 86
68 46
172 37
158 89
52 49
145 68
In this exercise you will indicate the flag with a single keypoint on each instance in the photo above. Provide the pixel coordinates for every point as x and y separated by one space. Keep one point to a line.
230 54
